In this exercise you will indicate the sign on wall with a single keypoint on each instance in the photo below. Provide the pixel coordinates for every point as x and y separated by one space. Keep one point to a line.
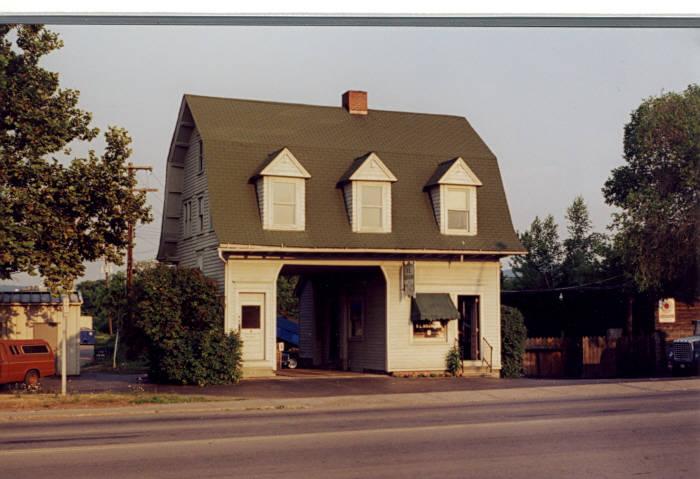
667 310
409 279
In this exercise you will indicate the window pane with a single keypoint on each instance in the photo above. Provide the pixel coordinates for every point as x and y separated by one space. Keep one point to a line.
457 220
284 192
35 349
372 196
457 200
284 215
356 318
371 217
250 317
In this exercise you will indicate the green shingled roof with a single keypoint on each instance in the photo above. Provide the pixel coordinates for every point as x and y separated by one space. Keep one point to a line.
240 135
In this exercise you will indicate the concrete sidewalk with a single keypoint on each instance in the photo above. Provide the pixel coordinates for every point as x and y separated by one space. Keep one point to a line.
564 390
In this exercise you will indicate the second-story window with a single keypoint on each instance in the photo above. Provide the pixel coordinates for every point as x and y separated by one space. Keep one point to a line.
280 185
284 204
187 219
372 214
200 157
366 188
200 214
452 190
458 209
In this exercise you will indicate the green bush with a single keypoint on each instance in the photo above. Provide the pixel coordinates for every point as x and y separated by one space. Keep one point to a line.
179 322
513 336
453 358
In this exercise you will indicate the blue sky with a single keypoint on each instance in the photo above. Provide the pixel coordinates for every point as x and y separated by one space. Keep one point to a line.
551 103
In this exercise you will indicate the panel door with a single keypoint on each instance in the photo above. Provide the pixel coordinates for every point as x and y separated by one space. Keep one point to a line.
252 314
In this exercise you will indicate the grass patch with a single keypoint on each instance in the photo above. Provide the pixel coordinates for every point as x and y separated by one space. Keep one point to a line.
123 367
39 401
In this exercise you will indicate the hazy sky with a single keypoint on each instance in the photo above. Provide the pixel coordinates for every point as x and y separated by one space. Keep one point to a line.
551 103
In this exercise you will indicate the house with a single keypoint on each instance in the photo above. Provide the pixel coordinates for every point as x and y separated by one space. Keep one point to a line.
675 319
27 313
394 221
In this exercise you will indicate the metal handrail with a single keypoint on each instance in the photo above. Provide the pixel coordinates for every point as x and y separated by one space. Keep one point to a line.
489 363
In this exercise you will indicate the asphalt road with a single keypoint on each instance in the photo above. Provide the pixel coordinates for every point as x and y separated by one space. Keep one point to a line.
650 435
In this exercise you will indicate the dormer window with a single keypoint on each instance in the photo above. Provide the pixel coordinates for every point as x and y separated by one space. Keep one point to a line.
285 201
280 184
458 208
366 188
452 190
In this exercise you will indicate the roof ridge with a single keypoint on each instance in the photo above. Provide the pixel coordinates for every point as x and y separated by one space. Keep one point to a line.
267 102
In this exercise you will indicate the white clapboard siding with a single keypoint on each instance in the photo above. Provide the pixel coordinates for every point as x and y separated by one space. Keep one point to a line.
259 277
458 279
369 353
307 321
201 242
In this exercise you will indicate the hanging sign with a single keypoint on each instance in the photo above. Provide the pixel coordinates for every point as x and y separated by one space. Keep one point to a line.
667 310
409 279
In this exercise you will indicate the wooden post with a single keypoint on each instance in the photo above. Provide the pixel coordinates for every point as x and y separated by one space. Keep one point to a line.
630 309
109 312
130 273
130 251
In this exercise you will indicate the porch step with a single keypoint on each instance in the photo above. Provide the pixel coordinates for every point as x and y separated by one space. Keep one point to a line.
477 372
258 372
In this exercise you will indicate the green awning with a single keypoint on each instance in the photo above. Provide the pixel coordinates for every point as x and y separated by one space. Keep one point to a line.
433 307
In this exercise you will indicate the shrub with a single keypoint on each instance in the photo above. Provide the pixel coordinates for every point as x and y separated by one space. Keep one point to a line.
454 360
179 321
513 336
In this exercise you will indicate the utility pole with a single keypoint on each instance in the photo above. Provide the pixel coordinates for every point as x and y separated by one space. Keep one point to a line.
65 312
130 250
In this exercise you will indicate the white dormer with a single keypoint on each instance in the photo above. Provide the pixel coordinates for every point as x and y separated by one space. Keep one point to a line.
367 191
452 190
280 184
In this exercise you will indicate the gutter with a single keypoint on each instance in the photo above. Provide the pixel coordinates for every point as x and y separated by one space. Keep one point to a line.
243 248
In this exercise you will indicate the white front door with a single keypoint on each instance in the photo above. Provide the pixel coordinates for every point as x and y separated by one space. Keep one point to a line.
252 314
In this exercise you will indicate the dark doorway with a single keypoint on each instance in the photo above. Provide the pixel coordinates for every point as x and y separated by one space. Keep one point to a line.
469 326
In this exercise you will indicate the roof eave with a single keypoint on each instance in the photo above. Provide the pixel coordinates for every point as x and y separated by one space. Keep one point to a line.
280 249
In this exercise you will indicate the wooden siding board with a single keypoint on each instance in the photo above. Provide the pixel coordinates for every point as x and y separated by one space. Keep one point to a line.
683 326
370 352
195 186
307 322
457 279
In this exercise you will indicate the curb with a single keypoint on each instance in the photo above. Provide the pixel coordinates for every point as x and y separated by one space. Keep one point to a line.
369 401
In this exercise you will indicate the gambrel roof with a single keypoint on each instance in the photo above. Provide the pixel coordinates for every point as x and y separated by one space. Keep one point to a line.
241 137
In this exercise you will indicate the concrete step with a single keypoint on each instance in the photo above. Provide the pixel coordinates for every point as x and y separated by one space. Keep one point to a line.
477 372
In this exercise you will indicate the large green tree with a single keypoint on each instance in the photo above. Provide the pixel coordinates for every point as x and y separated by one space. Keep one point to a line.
55 217
541 267
658 192
584 250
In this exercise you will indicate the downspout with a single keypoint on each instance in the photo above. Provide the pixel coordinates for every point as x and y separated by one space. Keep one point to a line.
387 314
227 321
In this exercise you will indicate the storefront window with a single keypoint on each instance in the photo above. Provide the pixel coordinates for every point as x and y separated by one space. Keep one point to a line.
428 329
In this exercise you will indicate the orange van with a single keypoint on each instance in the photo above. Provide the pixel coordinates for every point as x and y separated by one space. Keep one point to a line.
25 360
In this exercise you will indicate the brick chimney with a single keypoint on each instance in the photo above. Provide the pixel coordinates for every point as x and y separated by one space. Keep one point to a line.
355 102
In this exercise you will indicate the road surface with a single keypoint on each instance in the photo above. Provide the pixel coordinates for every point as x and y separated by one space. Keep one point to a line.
649 435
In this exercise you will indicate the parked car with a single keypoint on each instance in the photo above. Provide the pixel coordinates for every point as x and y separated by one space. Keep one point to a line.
25 360
684 354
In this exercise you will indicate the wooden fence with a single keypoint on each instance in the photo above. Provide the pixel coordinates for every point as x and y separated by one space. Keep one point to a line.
545 357
593 357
